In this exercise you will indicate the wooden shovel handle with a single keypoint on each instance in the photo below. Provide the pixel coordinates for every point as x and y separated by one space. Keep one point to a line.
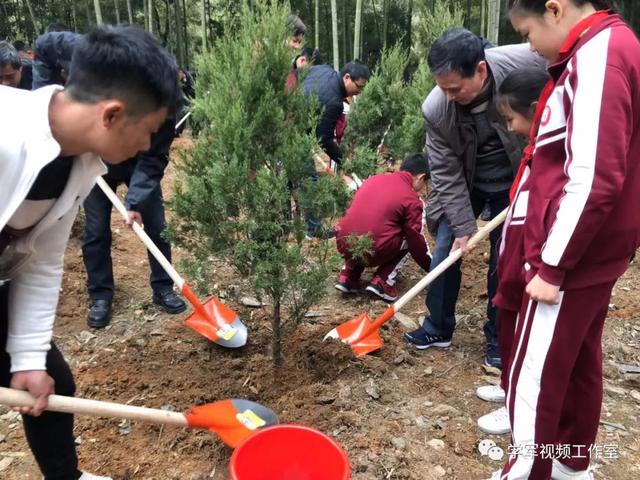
57 403
162 260
450 260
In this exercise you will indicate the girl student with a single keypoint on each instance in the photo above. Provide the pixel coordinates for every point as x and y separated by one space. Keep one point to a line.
581 228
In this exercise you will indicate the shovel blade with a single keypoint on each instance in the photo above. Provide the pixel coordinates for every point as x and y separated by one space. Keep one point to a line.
221 324
356 334
232 420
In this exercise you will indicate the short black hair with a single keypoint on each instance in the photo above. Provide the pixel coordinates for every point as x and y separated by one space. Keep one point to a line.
416 164
456 50
55 27
313 56
520 89
356 70
296 26
126 63
19 45
9 56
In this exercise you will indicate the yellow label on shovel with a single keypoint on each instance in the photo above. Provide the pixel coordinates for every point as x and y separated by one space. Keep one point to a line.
226 332
250 420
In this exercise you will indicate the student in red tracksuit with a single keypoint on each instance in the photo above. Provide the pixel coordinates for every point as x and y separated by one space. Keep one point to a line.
517 102
388 209
581 228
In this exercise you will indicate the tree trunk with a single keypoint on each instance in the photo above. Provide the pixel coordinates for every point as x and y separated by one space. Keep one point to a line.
88 11
345 26
186 34
467 19
276 326
334 36
74 16
385 22
178 31
356 30
96 5
409 23
115 3
483 18
129 12
36 29
316 30
150 11
493 21
145 14
204 26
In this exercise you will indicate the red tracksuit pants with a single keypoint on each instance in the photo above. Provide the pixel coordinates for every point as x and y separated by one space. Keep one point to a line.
554 381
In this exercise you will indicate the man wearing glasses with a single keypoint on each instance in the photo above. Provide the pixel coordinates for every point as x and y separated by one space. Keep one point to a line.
332 88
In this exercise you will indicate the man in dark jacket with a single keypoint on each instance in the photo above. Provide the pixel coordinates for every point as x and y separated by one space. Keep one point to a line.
144 202
142 175
15 71
388 210
472 159
331 89
52 58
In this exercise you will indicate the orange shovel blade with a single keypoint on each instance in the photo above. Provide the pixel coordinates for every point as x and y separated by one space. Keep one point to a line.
215 321
232 420
354 332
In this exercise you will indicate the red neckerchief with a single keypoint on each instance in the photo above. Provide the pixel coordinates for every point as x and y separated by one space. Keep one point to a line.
575 34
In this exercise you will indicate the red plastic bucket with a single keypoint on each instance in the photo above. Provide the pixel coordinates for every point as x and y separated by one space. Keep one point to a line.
289 452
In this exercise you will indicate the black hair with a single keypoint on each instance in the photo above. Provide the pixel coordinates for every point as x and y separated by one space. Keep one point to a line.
313 56
55 27
356 70
520 89
9 56
416 164
19 45
296 26
456 50
126 63
538 6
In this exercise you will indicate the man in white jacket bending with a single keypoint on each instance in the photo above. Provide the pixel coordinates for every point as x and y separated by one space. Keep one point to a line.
121 87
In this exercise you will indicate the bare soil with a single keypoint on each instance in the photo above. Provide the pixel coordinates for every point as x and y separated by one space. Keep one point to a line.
384 409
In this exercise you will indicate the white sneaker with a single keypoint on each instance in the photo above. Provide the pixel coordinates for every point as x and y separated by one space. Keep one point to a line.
90 476
491 393
562 472
496 422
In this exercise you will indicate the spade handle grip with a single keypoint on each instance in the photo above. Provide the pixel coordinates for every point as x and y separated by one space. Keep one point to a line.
94 408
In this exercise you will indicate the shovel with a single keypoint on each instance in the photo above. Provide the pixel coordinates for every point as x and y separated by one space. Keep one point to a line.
363 335
232 420
213 319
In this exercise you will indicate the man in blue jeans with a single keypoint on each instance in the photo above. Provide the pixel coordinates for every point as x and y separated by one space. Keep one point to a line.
472 158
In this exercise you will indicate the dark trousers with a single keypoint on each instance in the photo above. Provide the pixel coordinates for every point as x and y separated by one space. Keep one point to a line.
96 246
50 436
442 295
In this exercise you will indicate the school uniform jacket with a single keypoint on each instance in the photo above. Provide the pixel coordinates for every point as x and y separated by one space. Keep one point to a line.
26 146
388 209
583 218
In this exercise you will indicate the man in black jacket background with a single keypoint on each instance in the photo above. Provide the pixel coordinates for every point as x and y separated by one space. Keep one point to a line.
331 89
142 174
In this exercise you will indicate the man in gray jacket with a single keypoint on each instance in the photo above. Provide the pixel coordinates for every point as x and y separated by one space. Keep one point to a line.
473 159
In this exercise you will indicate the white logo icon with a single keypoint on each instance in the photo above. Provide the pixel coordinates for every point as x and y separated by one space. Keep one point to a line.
488 448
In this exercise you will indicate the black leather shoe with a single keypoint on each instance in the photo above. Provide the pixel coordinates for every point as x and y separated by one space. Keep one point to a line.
169 302
99 313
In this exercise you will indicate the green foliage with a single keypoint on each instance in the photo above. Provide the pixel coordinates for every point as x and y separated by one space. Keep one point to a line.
360 246
234 192
409 135
381 103
432 22
363 161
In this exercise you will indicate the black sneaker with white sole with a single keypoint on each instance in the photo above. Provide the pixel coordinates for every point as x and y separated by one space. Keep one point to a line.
422 340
